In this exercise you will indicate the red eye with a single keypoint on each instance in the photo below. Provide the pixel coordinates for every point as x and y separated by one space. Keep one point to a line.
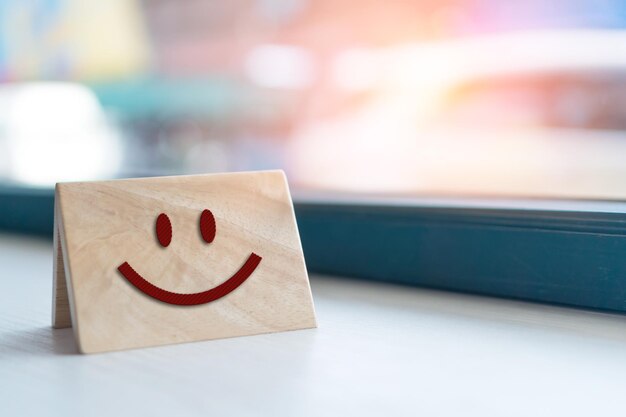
164 230
207 226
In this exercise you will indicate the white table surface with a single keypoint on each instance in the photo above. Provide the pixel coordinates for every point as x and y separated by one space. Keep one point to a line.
379 350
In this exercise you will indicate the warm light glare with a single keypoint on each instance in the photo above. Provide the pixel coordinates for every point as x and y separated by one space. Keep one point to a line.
356 69
418 130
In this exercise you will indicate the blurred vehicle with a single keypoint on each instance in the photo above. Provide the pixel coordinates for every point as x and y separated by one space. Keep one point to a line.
530 113
51 132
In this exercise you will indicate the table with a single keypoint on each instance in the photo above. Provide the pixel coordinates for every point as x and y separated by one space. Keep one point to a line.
379 350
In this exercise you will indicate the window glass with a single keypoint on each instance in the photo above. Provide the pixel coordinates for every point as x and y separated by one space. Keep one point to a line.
436 97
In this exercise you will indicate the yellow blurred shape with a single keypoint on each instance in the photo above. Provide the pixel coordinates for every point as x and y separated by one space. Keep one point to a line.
79 39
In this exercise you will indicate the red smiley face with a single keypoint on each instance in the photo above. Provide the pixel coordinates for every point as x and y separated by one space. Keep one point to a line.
164 236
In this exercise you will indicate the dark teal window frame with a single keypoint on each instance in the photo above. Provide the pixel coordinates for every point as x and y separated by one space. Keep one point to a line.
560 252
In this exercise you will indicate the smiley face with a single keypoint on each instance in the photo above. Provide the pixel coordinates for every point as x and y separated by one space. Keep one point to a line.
164 237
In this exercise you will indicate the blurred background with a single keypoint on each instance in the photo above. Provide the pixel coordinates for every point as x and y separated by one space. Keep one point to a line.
414 97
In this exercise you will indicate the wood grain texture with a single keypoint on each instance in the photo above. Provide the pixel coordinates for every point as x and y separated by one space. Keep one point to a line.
61 317
104 224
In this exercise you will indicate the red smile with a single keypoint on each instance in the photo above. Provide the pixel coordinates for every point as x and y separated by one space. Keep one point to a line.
193 298
164 237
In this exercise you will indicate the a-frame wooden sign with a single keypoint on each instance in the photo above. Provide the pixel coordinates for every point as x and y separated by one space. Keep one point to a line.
154 261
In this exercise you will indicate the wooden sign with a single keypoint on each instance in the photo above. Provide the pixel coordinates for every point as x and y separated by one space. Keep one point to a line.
154 261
